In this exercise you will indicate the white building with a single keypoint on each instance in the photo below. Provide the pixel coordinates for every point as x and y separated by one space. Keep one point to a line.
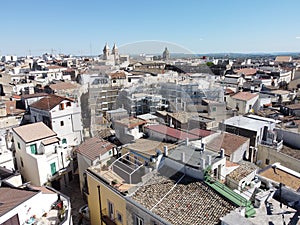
260 130
243 102
28 206
40 157
6 156
62 115
8 58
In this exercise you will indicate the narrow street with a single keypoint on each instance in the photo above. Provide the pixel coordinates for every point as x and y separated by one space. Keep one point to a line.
73 192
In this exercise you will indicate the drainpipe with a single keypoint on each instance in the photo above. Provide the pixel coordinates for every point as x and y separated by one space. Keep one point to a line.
100 205
62 161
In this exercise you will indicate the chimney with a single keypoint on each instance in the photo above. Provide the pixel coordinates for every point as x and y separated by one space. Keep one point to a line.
222 153
202 147
166 151
209 159
183 157
203 163
187 141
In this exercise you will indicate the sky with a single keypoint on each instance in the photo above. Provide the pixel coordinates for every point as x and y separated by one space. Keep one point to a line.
34 27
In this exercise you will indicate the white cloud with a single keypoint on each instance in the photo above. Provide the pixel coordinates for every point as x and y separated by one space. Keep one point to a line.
298 37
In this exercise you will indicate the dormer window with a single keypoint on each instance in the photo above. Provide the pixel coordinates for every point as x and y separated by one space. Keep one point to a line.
68 104
62 106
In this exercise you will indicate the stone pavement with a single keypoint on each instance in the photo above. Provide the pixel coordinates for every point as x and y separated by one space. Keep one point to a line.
73 192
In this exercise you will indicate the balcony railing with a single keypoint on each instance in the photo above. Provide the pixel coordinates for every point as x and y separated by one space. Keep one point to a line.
275 145
105 217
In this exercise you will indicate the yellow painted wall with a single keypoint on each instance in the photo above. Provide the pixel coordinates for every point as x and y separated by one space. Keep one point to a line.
106 193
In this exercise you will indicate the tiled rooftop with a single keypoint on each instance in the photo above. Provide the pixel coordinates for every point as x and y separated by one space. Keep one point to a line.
34 131
63 86
164 130
293 106
245 96
229 142
49 102
200 132
12 197
182 200
11 108
246 71
118 75
35 95
148 146
182 117
130 122
242 171
94 147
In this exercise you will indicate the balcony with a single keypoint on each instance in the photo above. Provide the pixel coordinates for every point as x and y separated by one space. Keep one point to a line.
106 218
54 210
276 145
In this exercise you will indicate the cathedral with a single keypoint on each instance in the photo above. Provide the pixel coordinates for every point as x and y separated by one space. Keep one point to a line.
112 56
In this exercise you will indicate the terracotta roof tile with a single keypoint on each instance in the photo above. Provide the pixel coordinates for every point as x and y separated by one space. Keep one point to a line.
229 142
242 171
130 122
246 71
56 67
10 198
180 135
283 58
245 96
293 106
49 102
34 95
11 108
118 75
200 132
94 147
63 86
33 132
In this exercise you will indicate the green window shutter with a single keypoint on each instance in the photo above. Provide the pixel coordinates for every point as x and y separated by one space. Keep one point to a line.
64 141
53 168
33 149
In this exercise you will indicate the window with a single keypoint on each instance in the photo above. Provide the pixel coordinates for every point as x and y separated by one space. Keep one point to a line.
68 104
22 164
214 109
109 152
62 106
53 168
61 123
138 220
110 210
19 146
64 141
33 149
119 217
